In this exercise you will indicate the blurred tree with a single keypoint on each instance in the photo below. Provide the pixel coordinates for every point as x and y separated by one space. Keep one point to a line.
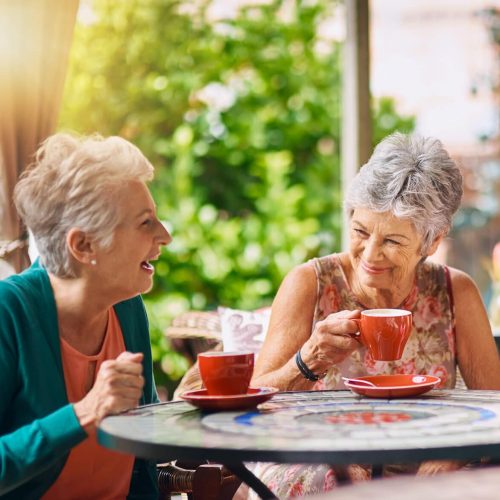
241 119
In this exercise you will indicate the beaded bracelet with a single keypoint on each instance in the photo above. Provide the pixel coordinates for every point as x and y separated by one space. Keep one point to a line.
304 369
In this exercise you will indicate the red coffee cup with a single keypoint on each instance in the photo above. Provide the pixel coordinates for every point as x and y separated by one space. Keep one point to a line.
385 332
226 373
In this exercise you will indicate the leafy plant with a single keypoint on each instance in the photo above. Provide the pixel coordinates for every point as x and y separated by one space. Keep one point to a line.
241 118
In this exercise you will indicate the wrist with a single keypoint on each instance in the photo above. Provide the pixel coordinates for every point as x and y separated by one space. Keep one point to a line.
86 419
306 370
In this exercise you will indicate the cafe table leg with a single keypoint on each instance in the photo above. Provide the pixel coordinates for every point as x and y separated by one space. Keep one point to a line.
250 480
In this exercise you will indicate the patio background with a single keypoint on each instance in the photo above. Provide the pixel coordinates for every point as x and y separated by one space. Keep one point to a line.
239 106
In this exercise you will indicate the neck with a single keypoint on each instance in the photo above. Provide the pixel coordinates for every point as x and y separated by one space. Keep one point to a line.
376 298
82 316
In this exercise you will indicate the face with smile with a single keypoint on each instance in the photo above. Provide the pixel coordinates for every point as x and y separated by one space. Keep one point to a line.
125 267
384 252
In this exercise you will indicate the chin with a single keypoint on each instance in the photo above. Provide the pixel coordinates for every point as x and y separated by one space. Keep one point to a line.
374 281
141 288
147 287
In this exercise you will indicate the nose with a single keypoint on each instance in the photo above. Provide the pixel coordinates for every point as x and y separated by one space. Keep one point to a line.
164 237
372 250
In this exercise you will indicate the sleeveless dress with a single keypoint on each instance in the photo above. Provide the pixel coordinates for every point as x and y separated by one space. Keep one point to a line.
430 350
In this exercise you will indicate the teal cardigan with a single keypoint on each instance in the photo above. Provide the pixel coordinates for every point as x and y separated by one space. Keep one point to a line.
38 427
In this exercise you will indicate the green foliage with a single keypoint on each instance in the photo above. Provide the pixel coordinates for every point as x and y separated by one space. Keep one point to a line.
387 120
241 119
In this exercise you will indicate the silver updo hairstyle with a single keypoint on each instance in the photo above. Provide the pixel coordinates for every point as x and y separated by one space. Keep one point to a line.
412 177
76 182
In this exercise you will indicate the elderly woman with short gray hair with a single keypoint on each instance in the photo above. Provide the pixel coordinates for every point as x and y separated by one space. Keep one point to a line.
400 206
74 339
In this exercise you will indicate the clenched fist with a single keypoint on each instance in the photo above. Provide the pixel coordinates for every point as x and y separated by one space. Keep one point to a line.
118 387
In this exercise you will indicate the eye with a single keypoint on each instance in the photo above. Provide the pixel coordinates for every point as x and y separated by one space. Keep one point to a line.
393 242
147 222
360 232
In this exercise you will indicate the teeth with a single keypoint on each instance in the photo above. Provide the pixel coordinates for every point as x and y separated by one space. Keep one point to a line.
146 265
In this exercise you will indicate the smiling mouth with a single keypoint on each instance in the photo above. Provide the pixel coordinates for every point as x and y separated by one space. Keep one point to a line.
373 270
147 266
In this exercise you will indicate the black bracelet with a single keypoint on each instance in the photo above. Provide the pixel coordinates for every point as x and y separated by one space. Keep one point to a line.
303 368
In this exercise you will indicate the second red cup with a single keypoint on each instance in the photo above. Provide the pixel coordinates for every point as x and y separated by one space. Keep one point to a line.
226 373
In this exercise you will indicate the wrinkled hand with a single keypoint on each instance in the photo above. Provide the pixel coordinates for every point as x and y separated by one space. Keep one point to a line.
433 467
331 341
118 387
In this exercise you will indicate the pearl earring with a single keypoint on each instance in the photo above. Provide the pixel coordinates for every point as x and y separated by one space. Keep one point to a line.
93 262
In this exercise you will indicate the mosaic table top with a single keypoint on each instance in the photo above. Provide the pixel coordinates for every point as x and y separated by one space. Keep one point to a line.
316 427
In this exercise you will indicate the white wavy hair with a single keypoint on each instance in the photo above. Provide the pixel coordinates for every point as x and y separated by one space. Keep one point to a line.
412 177
76 182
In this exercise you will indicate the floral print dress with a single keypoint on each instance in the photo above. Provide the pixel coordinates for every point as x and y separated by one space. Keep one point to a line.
430 350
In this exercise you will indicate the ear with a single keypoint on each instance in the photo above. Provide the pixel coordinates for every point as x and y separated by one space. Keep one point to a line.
435 244
80 246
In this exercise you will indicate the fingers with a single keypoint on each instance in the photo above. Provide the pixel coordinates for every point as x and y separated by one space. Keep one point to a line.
126 362
334 338
135 357
346 314
344 342
121 373
120 381
118 387
339 323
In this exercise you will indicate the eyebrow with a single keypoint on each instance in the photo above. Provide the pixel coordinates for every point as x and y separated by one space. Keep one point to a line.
144 212
392 235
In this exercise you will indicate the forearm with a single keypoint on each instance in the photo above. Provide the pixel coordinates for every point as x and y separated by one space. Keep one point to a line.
480 376
286 378
477 354
324 349
31 449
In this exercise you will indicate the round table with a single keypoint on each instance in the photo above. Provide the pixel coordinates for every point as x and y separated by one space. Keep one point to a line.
335 427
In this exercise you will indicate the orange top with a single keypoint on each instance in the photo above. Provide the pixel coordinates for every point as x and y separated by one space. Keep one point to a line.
91 470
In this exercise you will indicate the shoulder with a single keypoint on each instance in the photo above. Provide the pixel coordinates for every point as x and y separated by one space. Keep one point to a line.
304 280
304 277
303 272
298 287
22 298
462 284
431 275
464 287
26 287
329 264
432 270
461 279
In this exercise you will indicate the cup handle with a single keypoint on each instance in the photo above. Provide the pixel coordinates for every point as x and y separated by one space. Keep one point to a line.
358 335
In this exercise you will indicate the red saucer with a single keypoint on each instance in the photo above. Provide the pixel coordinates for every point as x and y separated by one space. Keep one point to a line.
394 386
251 399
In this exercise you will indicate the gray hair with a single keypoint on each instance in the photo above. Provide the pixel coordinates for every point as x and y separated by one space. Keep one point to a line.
76 182
412 177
